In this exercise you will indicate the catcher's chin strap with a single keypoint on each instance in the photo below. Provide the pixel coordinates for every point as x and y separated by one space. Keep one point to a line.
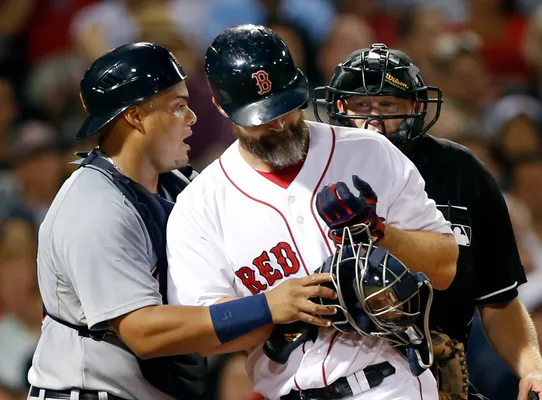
419 351
419 356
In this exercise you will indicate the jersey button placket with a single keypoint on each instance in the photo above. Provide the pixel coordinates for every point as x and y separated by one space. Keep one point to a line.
291 200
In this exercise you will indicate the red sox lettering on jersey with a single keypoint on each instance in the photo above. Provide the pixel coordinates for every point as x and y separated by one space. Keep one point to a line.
234 233
263 82
283 255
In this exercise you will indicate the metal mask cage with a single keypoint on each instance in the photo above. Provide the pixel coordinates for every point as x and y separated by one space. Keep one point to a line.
392 330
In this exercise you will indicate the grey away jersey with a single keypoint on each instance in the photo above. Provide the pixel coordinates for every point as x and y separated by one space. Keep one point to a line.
94 264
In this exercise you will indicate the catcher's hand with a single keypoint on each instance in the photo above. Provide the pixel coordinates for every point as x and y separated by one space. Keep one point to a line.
450 367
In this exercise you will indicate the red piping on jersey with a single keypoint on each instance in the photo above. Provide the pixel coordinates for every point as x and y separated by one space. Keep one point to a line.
295 379
325 358
420 383
318 185
272 207
296 384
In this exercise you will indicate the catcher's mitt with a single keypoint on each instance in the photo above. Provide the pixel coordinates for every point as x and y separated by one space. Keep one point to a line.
450 367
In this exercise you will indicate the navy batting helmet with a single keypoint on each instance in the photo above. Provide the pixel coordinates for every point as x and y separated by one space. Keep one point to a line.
124 77
253 76
380 71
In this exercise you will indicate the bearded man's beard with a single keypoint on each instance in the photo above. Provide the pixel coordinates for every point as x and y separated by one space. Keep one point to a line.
281 149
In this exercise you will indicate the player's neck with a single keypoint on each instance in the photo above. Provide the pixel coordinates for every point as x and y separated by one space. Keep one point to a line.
135 166
256 162
140 170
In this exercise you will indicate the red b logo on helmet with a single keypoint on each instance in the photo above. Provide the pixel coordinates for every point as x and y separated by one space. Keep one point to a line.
263 82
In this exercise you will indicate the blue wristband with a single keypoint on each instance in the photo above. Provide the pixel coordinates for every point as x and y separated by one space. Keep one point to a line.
236 318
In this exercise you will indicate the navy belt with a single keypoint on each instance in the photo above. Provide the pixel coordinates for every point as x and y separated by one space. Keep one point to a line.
340 389
65 394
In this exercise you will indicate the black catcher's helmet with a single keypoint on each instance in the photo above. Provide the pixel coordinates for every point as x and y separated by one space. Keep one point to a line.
379 71
252 75
124 77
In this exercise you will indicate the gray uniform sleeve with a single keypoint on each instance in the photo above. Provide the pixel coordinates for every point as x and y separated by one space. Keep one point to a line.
108 260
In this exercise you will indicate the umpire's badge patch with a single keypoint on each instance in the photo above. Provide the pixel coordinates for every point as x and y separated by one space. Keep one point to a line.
463 234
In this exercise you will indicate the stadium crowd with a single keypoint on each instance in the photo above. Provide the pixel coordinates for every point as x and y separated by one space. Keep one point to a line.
486 55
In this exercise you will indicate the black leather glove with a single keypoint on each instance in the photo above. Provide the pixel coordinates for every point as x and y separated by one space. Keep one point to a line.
286 338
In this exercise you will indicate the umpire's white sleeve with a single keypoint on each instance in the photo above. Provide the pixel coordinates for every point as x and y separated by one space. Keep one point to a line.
198 272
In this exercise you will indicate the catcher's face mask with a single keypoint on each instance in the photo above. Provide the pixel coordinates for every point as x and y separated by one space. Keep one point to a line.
378 296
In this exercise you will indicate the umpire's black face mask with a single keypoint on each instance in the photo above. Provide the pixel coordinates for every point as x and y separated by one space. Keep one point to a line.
383 114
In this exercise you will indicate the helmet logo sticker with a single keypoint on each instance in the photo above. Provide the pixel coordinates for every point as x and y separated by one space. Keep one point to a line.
263 82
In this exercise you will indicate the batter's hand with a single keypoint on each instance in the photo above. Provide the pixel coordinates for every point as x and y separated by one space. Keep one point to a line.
340 208
530 383
289 302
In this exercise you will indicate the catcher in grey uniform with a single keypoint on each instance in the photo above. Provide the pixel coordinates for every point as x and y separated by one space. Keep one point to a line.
101 258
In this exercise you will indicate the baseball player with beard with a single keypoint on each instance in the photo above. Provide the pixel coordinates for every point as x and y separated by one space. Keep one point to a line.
249 221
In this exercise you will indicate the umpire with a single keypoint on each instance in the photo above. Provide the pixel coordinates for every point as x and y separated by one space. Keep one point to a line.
380 89
101 253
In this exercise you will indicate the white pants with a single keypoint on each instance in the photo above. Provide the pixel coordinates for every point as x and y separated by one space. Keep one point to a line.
408 387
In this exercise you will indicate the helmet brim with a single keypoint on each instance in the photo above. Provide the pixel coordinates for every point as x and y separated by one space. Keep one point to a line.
93 123
271 107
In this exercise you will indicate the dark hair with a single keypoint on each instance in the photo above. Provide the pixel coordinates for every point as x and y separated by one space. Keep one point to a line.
519 161
494 151
309 49
509 7
406 22
532 157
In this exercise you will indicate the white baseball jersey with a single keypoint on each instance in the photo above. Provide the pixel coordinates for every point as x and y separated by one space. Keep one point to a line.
234 233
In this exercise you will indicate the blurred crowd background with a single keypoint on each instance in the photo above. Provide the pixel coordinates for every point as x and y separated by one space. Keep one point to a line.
486 55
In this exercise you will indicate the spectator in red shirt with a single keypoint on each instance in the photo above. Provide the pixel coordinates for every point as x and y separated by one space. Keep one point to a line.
502 30
48 30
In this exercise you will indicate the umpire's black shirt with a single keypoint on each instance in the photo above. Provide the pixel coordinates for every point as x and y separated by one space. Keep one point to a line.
489 269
